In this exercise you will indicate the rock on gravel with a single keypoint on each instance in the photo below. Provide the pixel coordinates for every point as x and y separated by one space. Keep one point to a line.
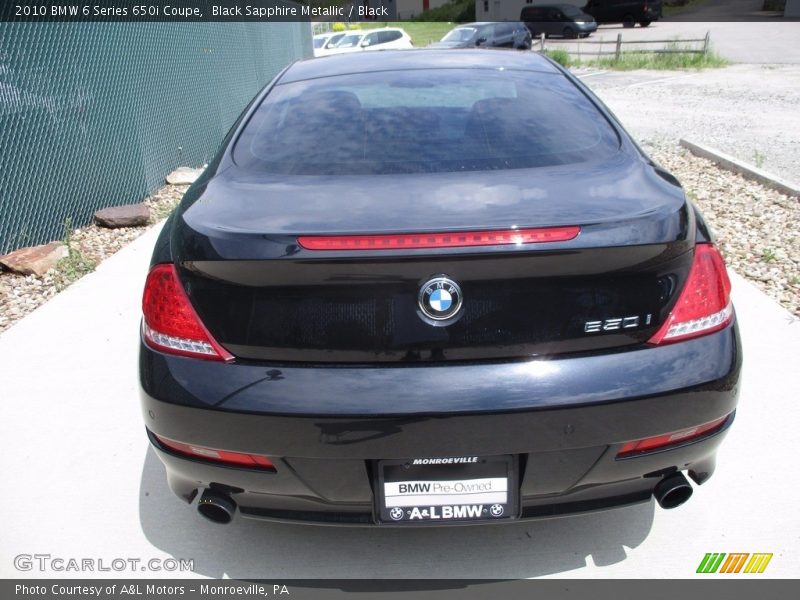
183 176
20 295
127 215
36 260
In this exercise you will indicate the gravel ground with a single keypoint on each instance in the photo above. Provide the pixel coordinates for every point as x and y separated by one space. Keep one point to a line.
20 295
757 228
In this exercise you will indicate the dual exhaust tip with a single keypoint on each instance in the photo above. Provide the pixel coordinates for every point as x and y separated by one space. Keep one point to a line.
670 492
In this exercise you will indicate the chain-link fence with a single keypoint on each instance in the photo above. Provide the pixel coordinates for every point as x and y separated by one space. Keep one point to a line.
96 114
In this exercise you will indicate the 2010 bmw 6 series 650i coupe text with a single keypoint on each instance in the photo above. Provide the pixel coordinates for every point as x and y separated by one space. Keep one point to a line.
431 287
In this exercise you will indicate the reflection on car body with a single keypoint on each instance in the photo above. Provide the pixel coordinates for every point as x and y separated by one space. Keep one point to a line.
511 34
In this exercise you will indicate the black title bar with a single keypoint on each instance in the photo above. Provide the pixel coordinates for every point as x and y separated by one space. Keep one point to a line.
266 11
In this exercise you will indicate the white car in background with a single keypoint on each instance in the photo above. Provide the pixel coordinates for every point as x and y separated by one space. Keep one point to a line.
387 38
348 43
324 43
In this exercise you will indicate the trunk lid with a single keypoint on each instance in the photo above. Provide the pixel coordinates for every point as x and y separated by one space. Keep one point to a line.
264 297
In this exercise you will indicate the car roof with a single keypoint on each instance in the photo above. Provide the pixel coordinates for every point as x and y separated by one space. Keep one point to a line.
404 60
383 29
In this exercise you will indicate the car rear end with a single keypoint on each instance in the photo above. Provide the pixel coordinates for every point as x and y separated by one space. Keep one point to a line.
585 25
294 364
522 36
653 10
403 42
582 23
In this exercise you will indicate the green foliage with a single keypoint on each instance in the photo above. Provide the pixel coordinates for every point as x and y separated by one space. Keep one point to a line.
75 265
562 57
422 33
457 11
768 255
675 7
660 61
339 26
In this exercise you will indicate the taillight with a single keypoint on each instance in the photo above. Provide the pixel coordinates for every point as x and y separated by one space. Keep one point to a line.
170 322
667 440
455 239
236 459
704 305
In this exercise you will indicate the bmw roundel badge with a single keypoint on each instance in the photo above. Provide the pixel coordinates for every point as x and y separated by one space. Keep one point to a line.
440 299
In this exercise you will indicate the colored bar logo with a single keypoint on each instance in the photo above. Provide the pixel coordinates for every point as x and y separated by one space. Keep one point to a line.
735 562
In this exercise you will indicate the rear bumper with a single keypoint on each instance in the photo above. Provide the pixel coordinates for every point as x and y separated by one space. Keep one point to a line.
325 426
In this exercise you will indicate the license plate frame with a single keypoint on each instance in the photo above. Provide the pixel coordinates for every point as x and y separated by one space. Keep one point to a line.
443 501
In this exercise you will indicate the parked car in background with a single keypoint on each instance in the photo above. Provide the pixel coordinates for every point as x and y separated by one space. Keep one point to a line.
327 42
627 12
320 40
558 19
387 38
509 34
348 43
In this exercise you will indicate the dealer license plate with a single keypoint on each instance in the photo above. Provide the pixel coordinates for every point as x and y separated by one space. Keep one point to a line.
444 489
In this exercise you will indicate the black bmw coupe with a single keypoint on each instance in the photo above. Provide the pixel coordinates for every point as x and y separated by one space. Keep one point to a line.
434 287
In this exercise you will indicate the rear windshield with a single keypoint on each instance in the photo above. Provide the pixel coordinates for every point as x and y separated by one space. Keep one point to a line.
416 121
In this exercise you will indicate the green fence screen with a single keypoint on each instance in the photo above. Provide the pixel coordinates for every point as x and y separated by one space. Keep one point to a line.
96 114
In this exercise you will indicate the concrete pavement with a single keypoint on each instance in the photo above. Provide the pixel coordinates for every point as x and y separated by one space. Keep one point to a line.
80 482
748 111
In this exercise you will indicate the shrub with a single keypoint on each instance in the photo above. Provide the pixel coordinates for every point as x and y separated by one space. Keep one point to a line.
456 11
560 56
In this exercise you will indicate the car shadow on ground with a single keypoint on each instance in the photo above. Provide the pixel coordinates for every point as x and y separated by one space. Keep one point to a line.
254 549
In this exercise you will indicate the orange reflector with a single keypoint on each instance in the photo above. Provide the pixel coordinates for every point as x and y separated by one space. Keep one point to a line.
236 459
667 440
